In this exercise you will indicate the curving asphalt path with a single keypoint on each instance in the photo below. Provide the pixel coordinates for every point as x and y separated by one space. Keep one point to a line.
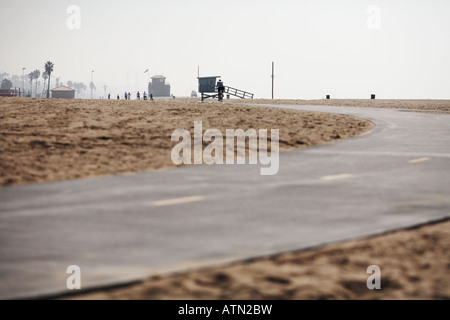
123 228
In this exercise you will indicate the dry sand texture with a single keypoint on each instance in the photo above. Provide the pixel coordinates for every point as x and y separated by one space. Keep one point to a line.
414 264
47 140
438 106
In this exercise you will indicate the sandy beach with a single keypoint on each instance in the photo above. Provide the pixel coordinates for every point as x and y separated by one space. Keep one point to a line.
433 106
49 140
415 265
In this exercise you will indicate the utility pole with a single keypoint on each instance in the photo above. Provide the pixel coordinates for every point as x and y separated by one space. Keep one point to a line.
92 84
273 76
148 82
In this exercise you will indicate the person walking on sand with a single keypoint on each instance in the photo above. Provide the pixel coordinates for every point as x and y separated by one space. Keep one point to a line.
129 96
126 96
151 96
118 97
138 95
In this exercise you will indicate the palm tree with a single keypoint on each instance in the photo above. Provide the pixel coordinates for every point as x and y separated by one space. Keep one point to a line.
79 86
36 75
76 86
44 76
83 87
31 76
92 87
49 69
15 80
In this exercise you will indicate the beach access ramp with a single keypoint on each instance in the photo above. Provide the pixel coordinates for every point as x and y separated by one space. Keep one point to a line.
207 87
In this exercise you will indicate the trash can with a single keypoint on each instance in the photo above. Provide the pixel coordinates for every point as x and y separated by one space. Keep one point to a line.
328 97
372 97
228 96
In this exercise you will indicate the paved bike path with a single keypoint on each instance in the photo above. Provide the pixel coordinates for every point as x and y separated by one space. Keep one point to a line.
122 228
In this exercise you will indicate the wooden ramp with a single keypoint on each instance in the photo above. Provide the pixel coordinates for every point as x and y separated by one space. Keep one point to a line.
230 91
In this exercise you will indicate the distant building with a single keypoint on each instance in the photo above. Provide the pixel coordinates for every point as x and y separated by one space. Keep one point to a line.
63 92
158 87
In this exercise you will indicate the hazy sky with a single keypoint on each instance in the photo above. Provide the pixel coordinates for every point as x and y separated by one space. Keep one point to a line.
348 49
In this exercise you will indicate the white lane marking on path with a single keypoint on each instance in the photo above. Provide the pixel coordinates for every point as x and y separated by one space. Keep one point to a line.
380 153
336 177
172 202
420 160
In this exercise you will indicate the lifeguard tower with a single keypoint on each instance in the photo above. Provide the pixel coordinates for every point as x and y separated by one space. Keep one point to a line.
207 87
